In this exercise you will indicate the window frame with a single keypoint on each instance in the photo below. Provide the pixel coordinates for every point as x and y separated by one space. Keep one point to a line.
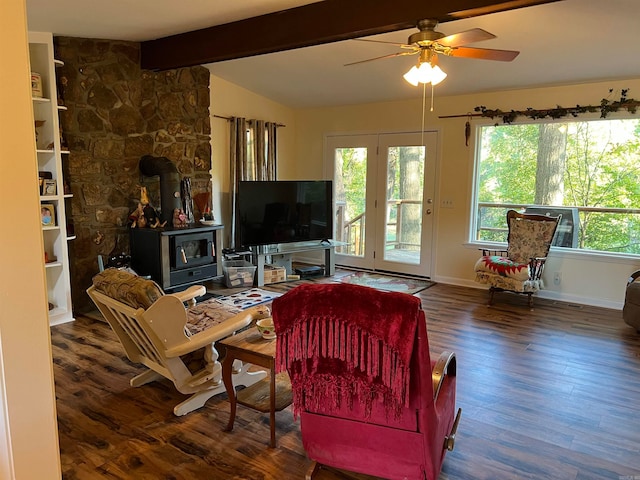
562 252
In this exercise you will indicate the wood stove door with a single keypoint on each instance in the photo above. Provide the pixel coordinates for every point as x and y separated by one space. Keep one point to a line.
192 250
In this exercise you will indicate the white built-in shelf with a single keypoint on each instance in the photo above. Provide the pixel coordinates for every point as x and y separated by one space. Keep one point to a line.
72 237
54 237
68 195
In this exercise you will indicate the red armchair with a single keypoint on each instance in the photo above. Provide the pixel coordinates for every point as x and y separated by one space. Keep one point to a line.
369 397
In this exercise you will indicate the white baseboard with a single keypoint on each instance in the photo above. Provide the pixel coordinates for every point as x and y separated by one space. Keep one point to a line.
548 294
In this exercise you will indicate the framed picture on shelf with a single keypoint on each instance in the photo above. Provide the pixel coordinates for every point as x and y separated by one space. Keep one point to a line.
47 214
48 187
42 176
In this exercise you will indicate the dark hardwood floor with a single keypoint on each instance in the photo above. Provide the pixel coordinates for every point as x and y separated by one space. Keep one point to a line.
548 393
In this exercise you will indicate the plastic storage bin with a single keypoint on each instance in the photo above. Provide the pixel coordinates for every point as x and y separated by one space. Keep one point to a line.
238 273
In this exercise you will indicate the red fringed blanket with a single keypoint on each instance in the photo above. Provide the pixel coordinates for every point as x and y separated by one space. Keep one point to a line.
342 343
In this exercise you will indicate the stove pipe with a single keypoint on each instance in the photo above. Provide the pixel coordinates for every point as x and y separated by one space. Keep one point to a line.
169 183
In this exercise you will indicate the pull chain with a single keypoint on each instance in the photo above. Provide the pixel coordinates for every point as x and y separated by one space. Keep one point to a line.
432 95
424 101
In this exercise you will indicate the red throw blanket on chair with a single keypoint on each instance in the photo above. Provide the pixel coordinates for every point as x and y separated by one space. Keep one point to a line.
344 343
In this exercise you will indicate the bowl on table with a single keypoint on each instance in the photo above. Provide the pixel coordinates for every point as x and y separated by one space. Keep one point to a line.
266 328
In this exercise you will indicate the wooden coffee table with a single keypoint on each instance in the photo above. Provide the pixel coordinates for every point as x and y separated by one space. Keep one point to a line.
271 394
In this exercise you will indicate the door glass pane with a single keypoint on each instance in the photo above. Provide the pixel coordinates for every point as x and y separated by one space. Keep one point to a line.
350 184
405 185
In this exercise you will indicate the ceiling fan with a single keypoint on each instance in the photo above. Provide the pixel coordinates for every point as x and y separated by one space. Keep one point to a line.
429 43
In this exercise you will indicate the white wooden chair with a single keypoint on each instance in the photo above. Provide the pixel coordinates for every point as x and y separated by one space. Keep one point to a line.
155 330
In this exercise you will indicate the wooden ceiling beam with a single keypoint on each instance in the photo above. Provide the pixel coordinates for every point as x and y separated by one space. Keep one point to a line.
314 24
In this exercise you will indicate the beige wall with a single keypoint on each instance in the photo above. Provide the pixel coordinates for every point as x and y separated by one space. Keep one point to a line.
28 429
588 279
227 100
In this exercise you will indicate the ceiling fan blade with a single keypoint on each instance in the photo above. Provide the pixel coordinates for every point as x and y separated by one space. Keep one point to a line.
484 53
468 36
399 54
401 45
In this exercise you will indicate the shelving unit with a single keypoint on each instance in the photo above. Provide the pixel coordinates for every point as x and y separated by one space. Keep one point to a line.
283 252
50 159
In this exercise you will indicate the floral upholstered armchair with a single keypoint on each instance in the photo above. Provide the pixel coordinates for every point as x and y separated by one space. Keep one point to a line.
519 268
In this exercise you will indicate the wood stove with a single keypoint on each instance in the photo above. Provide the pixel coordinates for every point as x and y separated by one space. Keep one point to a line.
177 257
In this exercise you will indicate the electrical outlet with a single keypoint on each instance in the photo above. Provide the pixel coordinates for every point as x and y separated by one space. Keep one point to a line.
447 203
557 278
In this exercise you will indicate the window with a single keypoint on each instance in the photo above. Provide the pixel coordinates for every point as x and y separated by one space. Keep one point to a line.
589 171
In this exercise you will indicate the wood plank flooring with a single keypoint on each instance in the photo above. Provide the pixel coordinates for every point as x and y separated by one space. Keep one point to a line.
548 393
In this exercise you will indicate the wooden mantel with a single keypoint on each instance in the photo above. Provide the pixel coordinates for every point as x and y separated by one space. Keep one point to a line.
314 24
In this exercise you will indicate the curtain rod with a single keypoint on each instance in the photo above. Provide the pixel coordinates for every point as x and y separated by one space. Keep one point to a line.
229 119
466 115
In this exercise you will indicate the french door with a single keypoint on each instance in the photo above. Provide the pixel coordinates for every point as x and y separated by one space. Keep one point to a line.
383 192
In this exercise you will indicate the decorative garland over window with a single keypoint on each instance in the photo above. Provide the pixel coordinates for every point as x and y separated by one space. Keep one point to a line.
605 108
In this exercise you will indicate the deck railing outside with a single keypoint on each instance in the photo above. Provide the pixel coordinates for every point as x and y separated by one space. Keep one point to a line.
352 231
491 223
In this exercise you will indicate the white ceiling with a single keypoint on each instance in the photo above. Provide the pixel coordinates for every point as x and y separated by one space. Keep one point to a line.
567 42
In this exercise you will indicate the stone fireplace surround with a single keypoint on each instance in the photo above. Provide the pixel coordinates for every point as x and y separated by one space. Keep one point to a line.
117 113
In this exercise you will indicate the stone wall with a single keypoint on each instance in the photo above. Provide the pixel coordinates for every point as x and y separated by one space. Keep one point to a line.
116 114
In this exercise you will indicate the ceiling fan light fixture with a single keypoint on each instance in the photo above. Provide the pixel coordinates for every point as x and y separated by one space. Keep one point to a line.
412 76
425 73
437 75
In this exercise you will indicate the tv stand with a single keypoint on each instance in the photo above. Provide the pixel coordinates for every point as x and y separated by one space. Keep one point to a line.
286 250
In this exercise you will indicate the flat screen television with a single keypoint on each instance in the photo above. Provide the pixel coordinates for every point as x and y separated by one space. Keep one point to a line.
284 211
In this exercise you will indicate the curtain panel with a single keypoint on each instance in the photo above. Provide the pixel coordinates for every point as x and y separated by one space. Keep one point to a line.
253 156
264 148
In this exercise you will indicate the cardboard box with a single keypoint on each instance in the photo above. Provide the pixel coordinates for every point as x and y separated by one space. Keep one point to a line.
273 274
238 273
